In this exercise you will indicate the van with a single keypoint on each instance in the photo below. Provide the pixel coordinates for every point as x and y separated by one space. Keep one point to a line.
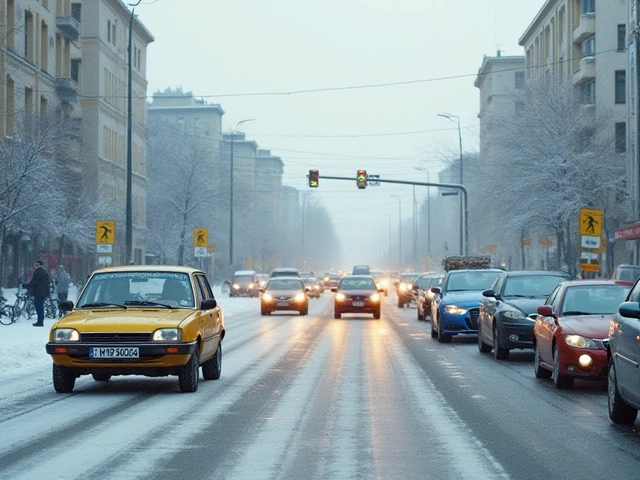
244 283
285 272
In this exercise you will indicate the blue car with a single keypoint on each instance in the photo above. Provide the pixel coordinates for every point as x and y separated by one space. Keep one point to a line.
456 304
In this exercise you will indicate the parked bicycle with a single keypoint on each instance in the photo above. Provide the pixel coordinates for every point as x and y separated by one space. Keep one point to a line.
23 305
6 312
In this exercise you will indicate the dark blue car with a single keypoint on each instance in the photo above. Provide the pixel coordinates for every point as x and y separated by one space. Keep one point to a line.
456 305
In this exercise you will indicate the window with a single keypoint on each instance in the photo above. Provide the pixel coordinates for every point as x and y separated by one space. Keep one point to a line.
621 137
588 6
109 31
589 93
621 85
76 11
28 35
75 70
622 37
589 47
519 80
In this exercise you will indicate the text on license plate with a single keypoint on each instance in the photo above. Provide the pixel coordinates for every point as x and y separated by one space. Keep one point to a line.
114 352
358 304
282 304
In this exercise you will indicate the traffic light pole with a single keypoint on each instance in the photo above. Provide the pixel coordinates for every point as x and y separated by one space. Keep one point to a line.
427 184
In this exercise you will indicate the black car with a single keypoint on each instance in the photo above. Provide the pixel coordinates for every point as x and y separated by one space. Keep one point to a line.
424 295
508 309
356 294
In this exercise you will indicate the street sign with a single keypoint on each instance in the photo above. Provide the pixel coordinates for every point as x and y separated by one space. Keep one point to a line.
373 180
105 260
200 237
591 222
104 248
589 256
590 267
590 242
106 231
200 251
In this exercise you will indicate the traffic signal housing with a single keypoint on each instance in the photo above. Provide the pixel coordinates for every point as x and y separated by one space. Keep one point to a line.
361 179
314 178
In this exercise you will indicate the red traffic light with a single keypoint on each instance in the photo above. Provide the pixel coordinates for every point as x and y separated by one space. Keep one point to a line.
314 178
361 179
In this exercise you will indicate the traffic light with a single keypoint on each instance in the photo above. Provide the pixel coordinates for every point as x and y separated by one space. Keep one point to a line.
314 176
361 179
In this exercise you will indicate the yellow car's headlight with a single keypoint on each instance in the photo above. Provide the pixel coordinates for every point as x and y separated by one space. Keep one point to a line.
66 335
167 335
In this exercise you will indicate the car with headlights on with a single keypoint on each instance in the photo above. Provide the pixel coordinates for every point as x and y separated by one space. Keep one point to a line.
509 308
284 294
455 307
404 288
315 289
331 280
139 320
356 294
571 332
382 281
244 284
424 295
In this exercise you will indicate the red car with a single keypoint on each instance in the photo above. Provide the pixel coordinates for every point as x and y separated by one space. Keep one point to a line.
571 332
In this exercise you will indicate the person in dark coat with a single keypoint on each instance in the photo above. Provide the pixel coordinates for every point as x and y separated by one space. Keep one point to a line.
38 287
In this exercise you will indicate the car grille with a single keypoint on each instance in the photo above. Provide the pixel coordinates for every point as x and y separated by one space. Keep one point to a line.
472 323
115 337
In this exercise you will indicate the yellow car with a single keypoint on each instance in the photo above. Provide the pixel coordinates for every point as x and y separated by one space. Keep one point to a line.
139 320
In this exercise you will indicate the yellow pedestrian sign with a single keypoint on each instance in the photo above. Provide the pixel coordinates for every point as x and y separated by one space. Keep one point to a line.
591 222
200 237
105 232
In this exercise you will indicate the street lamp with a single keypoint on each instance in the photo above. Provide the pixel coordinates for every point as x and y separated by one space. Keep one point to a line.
129 202
455 118
421 169
233 129
399 232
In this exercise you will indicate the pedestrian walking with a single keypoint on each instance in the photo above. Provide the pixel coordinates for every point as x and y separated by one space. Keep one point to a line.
38 287
62 287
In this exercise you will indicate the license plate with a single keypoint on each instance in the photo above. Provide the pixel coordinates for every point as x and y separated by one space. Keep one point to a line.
282 304
358 304
114 352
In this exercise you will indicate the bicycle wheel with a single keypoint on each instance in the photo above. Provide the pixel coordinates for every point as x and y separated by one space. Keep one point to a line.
30 308
6 314
50 308
17 310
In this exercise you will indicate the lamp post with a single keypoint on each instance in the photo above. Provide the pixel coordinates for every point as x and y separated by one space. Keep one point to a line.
421 169
233 133
129 202
388 215
455 118
399 232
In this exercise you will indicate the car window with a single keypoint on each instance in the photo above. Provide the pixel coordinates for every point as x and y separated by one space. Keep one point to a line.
594 299
204 289
470 280
634 294
285 284
531 286
357 284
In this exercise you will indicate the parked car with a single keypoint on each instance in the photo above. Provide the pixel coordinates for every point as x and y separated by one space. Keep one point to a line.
284 293
424 295
382 281
404 288
509 308
244 283
623 359
356 294
139 320
571 333
629 273
455 307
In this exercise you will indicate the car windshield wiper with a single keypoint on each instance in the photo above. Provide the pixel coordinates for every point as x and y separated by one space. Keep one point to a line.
102 304
146 303
576 312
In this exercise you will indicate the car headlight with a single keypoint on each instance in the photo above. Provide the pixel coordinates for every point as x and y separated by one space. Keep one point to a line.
66 335
167 335
251 285
375 297
455 310
514 314
236 286
578 341
384 283
267 298
300 297
340 297
402 287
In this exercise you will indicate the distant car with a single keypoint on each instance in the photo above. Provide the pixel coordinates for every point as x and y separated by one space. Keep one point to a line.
244 283
456 304
263 278
284 293
623 360
361 270
424 295
381 280
571 333
139 320
629 273
331 280
508 309
404 288
315 289
356 294
284 272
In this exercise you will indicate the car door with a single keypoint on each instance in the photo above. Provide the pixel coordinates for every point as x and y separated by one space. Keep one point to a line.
210 321
627 348
545 326
488 308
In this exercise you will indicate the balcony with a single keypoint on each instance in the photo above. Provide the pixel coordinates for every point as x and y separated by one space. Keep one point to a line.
67 89
69 26
586 28
586 71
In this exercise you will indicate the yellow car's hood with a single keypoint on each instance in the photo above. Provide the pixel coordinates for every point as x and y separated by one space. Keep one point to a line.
138 319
